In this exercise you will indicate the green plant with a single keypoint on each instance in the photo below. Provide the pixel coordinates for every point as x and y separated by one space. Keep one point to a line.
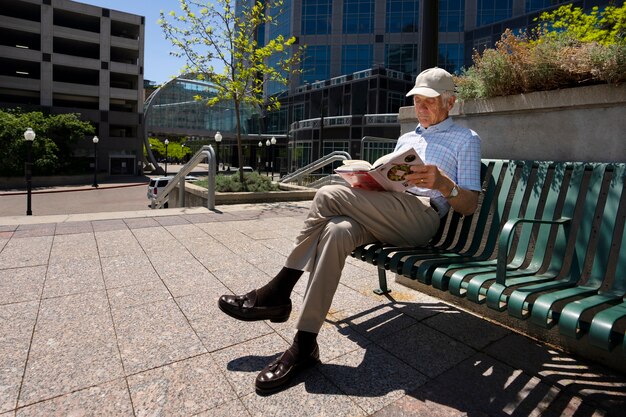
52 147
253 182
570 48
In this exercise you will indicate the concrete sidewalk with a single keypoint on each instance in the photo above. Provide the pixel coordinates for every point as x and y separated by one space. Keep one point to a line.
116 314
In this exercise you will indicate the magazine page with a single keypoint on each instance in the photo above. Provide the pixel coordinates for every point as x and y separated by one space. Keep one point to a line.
392 172
388 174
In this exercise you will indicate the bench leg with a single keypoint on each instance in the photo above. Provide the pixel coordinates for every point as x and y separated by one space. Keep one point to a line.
382 282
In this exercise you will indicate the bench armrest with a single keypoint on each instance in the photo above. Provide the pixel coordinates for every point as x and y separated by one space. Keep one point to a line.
506 237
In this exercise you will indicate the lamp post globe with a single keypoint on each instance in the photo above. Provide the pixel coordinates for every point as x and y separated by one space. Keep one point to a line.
218 139
167 142
95 141
29 137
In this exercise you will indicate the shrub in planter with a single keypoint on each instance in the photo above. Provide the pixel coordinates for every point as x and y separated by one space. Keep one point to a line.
570 48
253 182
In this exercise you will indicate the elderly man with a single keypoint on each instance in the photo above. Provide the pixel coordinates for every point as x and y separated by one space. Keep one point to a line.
342 218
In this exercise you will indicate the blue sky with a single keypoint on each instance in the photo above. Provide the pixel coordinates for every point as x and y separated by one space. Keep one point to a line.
159 66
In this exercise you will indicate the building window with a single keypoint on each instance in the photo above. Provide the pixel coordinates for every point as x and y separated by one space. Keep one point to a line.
316 64
450 57
355 58
491 11
316 17
451 15
298 112
331 146
395 101
402 58
302 154
402 16
534 5
374 150
358 16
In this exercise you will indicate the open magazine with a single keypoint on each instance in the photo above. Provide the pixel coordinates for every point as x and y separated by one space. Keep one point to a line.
386 173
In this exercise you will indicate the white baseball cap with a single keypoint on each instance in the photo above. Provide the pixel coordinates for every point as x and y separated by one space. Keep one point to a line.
432 82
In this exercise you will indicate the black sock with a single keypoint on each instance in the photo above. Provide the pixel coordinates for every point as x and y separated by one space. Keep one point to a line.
304 343
278 290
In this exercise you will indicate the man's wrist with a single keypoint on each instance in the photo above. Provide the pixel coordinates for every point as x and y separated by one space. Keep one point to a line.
454 191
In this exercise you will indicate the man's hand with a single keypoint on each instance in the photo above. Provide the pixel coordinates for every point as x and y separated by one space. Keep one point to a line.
429 176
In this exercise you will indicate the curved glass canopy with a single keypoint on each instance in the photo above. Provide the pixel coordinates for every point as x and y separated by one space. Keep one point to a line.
175 107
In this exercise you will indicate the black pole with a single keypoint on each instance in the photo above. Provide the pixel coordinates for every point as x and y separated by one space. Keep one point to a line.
29 168
217 158
166 160
272 160
430 34
95 165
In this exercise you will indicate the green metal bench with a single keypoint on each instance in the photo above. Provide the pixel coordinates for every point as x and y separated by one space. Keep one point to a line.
545 245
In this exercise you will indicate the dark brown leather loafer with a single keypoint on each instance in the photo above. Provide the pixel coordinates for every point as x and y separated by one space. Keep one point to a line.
277 374
243 307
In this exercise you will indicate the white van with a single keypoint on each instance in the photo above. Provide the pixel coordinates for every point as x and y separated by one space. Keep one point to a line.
156 185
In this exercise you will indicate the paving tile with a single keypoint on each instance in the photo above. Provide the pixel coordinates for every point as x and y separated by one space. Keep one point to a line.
227 409
28 251
135 295
153 335
240 277
141 222
107 399
21 284
429 351
308 394
372 377
66 248
184 275
170 220
73 348
216 329
370 318
69 228
16 326
117 243
156 239
122 271
467 328
34 230
4 238
75 276
182 388
242 362
592 382
108 225
482 385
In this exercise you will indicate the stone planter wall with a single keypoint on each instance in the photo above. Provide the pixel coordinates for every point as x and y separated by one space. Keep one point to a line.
576 124
197 196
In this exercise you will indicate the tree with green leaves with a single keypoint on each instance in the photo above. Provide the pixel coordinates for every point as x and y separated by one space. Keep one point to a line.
606 27
211 34
53 146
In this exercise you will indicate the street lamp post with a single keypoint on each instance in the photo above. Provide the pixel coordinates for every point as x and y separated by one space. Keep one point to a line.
259 157
218 139
29 136
95 161
267 157
167 142
273 142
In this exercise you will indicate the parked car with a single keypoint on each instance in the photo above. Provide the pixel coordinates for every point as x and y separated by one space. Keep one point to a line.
156 185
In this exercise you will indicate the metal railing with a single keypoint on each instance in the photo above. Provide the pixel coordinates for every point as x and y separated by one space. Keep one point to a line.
206 152
314 166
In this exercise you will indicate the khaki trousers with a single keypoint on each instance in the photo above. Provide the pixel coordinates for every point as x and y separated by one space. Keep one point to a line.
342 218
